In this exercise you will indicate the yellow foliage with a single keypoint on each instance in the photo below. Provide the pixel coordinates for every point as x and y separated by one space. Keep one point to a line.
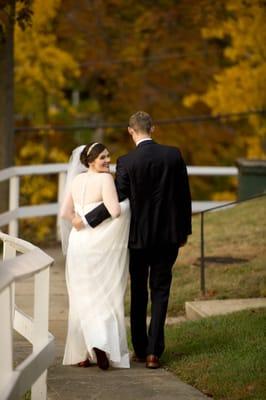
33 151
42 68
45 11
190 100
58 156
39 189
223 196
254 148
241 86
42 229
227 195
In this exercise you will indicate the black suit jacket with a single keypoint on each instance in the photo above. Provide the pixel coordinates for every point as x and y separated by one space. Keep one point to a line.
154 178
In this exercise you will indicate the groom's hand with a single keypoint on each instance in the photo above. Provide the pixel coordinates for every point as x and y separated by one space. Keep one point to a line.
78 223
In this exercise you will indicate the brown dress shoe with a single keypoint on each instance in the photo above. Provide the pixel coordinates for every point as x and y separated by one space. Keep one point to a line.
138 359
152 361
102 359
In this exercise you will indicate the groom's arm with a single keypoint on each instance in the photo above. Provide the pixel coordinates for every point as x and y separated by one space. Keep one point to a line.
184 202
100 213
122 182
97 215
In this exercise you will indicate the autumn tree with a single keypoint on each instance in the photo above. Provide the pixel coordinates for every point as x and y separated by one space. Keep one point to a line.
42 74
43 69
132 55
240 86
9 15
149 55
145 55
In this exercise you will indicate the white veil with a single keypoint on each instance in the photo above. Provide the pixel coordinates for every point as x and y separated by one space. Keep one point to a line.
75 167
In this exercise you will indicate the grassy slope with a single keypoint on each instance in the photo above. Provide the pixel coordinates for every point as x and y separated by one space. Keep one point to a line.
221 356
237 234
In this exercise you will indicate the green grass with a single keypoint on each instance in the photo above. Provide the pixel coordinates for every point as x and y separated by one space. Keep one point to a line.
222 356
235 239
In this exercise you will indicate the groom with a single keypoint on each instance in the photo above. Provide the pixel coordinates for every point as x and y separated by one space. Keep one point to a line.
154 179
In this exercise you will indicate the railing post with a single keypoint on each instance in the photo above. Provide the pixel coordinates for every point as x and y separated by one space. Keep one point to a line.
202 260
13 204
60 193
10 252
6 342
40 329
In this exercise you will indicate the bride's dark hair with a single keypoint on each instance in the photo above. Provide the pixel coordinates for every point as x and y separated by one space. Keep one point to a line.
91 152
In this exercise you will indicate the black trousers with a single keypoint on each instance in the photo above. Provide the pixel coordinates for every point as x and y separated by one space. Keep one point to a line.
153 265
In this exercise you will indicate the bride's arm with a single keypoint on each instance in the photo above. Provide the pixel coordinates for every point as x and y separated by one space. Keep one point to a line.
110 197
67 208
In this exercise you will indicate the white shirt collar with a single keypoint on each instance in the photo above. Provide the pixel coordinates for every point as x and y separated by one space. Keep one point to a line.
142 140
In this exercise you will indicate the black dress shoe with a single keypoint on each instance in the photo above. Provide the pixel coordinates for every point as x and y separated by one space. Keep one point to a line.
84 364
152 361
102 359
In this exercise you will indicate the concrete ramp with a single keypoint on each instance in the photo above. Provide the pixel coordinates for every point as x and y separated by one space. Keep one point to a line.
208 308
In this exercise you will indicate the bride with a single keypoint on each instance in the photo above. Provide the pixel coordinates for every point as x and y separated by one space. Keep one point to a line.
96 263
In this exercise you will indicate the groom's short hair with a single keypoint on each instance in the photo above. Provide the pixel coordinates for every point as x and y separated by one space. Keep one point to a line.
141 121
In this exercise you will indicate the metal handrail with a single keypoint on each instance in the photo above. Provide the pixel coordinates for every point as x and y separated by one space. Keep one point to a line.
202 244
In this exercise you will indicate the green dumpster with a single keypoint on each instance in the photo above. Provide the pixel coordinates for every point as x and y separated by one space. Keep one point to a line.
252 177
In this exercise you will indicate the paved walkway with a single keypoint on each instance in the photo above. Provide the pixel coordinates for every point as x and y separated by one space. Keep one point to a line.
136 383
73 383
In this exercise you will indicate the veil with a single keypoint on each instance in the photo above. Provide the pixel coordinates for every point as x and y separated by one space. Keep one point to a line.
75 167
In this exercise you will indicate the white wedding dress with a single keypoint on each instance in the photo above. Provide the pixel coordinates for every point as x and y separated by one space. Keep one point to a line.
96 277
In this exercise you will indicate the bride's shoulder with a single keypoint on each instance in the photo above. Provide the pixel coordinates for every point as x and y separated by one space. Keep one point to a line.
106 177
79 178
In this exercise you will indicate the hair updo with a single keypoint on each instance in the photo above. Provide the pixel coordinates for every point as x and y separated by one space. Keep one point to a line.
97 148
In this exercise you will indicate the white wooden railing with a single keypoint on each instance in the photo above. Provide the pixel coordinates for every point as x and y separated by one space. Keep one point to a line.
30 373
16 212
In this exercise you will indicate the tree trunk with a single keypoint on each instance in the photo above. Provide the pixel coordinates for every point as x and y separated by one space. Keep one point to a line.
6 101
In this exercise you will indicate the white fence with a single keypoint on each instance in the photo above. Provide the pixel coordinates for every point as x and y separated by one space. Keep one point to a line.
16 212
30 373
